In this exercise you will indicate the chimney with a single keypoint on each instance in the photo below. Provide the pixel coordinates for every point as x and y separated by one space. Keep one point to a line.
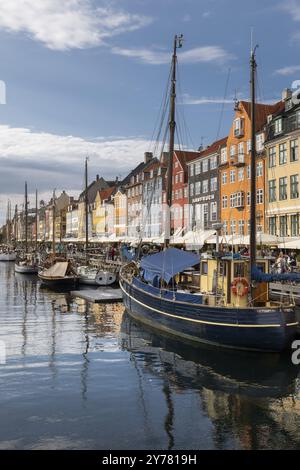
97 177
147 157
286 94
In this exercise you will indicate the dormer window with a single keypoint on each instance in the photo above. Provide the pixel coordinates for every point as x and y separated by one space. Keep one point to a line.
278 126
238 127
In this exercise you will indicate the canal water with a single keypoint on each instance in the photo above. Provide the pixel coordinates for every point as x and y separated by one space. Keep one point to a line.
85 376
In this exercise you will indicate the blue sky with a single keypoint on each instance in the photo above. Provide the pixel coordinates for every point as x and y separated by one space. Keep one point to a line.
86 77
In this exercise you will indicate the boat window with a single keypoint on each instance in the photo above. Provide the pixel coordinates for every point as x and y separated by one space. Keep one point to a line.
239 270
204 268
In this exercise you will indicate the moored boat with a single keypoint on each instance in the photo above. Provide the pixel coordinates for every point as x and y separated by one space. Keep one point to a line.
60 274
95 277
8 256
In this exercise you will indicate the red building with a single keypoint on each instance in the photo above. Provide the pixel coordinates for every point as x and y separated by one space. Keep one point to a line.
180 196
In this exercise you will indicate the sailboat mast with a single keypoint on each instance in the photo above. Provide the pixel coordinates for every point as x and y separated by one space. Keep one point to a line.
172 126
53 223
26 219
86 200
36 220
253 170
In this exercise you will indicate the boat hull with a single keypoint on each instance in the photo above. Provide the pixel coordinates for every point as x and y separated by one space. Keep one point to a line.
64 282
26 269
257 329
8 257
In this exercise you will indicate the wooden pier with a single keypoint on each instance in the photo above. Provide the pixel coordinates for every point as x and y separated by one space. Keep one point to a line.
100 295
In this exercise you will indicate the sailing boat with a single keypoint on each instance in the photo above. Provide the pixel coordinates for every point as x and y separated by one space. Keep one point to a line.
232 310
28 263
57 271
88 274
6 252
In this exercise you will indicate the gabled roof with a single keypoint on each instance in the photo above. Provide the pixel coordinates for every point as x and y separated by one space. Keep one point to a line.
210 149
97 185
106 194
262 111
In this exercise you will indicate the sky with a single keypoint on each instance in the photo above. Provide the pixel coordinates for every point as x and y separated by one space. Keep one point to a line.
87 78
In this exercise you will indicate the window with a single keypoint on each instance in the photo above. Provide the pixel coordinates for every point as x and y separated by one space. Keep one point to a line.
232 176
197 187
191 189
204 267
192 170
241 174
283 188
259 196
224 202
278 126
272 225
272 157
248 198
283 225
260 138
185 192
225 227
282 154
213 163
232 227
224 177
240 199
295 225
205 186
241 227
248 172
213 211
272 190
197 168
294 186
294 150
214 184
205 215
205 165
241 148
224 155
238 127
249 146
232 150
259 169
239 270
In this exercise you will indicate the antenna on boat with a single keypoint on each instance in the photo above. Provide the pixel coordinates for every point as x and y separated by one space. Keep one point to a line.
253 66
26 219
53 222
36 219
178 41
86 203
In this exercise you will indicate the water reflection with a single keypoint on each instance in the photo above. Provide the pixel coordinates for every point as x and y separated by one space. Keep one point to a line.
82 375
250 396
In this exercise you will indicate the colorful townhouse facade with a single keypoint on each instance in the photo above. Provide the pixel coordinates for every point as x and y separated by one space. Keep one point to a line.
154 182
97 185
103 213
283 169
234 170
180 191
204 186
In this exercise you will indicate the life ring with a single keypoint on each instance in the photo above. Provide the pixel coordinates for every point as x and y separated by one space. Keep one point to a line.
240 287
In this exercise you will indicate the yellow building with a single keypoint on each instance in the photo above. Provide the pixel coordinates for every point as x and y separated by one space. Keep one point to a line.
283 170
120 206
103 213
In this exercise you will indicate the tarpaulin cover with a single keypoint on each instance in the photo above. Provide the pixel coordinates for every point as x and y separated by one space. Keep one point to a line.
259 276
166 264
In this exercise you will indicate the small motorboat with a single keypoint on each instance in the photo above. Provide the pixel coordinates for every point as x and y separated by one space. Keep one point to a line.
8 256
28 265
95 277
60 274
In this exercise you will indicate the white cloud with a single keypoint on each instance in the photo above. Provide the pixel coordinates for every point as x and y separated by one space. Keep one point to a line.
51 160
198 54
292 7
67 24
188 100
289 70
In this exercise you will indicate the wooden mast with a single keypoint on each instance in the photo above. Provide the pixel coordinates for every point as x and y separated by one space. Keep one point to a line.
172 126
26 219
53 223
253 173
36 220
86 203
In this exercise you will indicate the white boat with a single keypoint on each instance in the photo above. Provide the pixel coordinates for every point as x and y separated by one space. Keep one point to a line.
95 277
26 266
8 256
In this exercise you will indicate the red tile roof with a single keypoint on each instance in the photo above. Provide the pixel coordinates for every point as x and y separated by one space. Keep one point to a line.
107 193
262 111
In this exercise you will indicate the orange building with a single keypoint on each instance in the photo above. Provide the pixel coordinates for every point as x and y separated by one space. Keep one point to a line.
235 169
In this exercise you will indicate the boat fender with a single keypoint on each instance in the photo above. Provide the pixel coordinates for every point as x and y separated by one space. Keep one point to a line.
240 287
